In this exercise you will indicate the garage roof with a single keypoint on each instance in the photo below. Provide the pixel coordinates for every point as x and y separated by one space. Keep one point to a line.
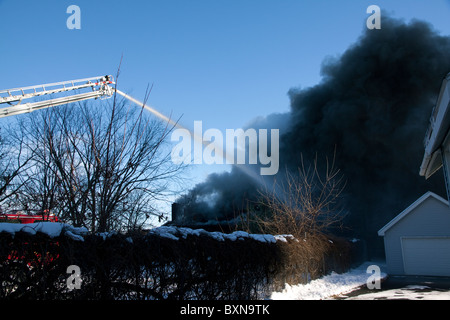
405 212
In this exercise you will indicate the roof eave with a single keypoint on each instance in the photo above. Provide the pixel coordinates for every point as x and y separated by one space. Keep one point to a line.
438 130
405 212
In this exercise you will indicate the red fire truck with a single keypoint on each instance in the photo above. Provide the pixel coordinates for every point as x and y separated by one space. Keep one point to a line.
21 217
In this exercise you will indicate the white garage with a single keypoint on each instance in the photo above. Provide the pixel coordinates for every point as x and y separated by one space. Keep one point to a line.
417 241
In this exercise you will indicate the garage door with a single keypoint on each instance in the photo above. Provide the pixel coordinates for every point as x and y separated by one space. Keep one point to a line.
428 256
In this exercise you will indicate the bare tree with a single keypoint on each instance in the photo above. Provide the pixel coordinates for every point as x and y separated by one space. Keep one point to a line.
303 202
15 158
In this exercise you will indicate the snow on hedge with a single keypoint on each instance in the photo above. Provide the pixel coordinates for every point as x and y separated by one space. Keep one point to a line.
52 229
55 229
175 233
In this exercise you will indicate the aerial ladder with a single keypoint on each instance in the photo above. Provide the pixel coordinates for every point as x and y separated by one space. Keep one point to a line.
102 87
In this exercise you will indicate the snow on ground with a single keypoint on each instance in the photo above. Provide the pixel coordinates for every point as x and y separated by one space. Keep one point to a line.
329 285
343 286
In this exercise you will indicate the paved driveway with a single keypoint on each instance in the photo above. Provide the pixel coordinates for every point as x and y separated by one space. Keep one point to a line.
405 288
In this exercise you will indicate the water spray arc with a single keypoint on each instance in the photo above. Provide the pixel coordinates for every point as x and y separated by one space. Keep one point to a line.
199 139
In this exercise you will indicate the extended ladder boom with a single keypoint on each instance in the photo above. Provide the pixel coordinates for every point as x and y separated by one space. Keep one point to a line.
99 85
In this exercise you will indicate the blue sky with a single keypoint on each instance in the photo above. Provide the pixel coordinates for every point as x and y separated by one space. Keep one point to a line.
221 62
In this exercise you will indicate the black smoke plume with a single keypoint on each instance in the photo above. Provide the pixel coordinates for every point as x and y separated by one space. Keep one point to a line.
372 107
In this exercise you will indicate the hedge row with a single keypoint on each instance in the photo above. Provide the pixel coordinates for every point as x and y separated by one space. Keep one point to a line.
135 267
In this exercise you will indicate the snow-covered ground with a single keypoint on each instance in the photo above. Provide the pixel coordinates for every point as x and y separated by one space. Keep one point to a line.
329 285
341 286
